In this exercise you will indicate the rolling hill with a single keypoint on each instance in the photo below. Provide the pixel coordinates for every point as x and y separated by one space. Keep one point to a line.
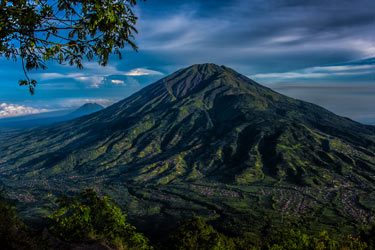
206 141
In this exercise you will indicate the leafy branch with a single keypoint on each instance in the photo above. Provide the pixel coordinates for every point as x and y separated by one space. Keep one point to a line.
66 31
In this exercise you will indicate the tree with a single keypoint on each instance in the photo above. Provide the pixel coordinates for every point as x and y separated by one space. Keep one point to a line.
88 216
196 234
65 31
296 240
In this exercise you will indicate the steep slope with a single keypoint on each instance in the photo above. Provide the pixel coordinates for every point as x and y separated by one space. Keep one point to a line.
206 138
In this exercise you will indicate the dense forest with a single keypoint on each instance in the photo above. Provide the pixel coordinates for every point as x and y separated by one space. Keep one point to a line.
89 221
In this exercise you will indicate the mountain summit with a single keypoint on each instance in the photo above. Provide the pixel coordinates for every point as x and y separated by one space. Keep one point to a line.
204 140
85 109
194 78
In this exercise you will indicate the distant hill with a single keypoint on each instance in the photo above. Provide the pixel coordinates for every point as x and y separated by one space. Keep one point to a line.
48 118
85 109
206 141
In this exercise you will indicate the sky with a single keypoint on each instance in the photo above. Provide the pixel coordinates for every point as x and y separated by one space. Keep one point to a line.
321 51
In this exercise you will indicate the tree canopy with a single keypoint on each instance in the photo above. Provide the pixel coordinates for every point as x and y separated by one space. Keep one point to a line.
90 221
88 216
65 31
197 234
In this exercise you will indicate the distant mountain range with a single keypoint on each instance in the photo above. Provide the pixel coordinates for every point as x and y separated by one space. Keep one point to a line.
206 141
48 118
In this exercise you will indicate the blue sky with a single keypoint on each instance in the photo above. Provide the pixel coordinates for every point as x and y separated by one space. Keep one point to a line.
316 50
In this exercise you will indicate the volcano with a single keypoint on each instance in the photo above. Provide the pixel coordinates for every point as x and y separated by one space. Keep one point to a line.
206 141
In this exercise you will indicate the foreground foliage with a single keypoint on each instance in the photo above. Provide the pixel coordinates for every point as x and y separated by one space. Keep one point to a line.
64 31
88 217
13 232
197 234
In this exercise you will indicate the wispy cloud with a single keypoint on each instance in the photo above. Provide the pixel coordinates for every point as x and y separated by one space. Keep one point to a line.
258 36
343 68
76 102
177 30
94 74
142 72
48 76
11 110
288 75
117 81
320 72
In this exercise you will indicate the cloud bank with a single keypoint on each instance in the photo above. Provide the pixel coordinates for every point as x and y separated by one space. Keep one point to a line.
258 36
11 110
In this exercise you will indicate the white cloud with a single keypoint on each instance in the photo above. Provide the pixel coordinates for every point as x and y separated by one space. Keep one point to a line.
285 39
142 72
342 68
76 102
289 75
94 74
94 81
365 47
11 110
48 76
118 82
178 31
319 72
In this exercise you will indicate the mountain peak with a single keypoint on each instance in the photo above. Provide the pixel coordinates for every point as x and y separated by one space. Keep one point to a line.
193 78
86 109
206 68
91 106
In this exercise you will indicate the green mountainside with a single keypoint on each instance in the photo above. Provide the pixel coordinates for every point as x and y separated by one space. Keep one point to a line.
205 141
